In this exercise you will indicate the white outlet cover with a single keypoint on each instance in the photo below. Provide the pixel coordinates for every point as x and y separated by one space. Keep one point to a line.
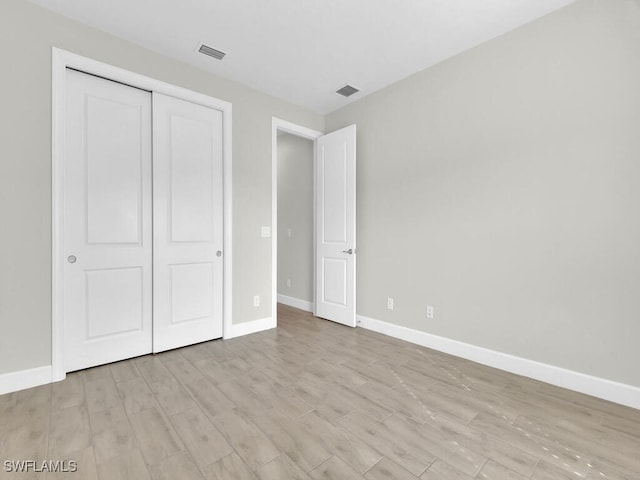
266 232
256 301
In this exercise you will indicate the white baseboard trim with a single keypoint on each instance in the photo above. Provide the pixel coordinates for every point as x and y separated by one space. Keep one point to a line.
621 393
296 303
23 379
254 326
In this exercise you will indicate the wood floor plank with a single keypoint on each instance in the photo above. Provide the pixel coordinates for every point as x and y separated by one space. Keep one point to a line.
104 419
172 396
209 397
432 440
243 397
549 451
68 393
205 443
292 438
31 403
196 353
325 402
286 400
102 394
280 468
112 434
249 441
156 437
152 369
341 442
229 467
128 466
136 395
487 445
386 469
179 466
69 431
439 470
494 470
334 469
214 370
101 372
26 440
406 451
182 369
123 371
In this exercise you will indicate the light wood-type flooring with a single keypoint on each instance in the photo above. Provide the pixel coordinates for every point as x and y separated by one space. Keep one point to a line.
315 400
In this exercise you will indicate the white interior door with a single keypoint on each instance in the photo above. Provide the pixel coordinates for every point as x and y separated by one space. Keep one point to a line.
336 226
107 228
188 220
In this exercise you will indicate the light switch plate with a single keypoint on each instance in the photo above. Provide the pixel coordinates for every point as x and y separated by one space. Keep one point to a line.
266 232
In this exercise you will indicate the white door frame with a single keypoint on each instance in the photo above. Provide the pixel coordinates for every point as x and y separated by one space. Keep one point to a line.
299 131
61 60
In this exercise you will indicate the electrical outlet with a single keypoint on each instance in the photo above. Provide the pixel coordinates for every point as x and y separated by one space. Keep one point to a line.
429 311
266 232
389 303
289 232
256 300
289 282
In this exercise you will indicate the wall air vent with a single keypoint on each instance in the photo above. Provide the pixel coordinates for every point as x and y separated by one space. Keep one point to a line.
347 91
212 52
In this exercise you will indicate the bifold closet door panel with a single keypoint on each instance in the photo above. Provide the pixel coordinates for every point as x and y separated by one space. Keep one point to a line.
188 220
107 227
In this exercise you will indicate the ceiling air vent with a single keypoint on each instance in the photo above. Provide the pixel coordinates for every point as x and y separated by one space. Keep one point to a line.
212 52
347 91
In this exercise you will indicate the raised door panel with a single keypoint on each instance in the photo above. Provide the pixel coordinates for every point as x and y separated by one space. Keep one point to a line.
191 180
335 205
114 185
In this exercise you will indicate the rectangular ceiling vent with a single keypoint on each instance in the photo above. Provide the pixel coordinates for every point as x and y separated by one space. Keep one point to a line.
347 91
212 52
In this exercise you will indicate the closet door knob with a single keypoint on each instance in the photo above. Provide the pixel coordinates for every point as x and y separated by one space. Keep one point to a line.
71 259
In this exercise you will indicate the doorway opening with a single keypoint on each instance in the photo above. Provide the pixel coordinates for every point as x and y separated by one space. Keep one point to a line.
295 221
333 220
293 215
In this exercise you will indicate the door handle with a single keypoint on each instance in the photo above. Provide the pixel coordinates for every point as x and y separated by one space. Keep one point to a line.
348 252
71 259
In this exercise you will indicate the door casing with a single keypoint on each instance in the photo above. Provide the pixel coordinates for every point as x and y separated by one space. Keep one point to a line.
61 60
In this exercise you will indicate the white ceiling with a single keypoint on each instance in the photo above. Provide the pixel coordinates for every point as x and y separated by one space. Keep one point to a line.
304 50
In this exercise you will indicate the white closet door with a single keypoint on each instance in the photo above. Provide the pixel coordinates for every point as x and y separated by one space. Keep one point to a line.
188 209
107 222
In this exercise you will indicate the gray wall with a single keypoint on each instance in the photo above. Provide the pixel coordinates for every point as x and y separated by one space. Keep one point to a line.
503 187
295 213
27 34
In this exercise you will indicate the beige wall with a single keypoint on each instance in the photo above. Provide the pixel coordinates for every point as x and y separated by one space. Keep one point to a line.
295 213
27 34
503 187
